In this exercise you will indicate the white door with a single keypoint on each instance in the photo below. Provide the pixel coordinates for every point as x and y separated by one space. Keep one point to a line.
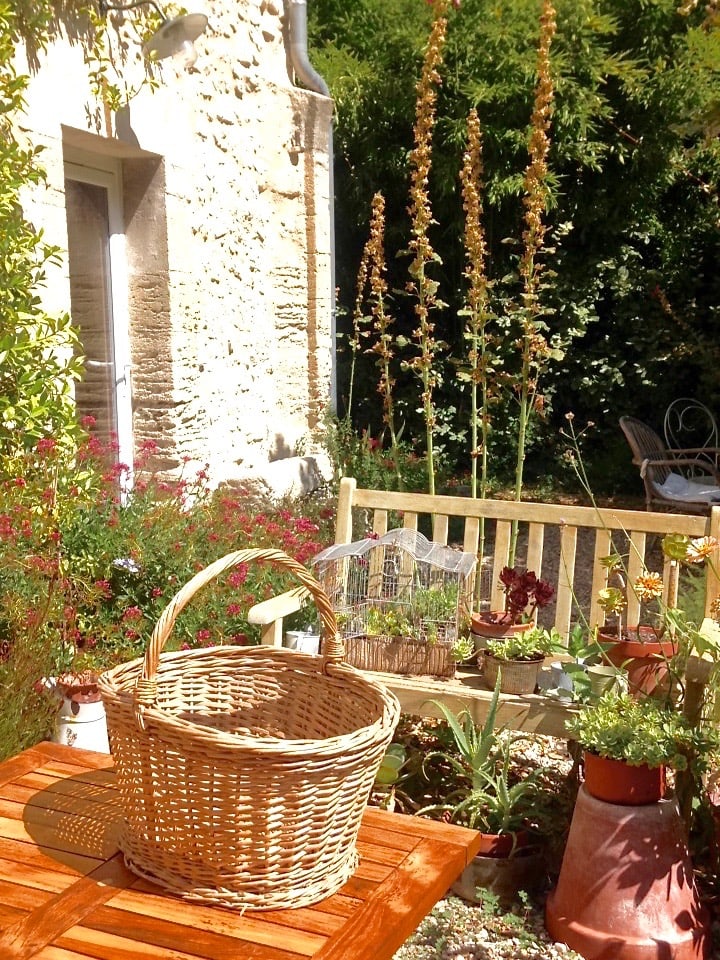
99 300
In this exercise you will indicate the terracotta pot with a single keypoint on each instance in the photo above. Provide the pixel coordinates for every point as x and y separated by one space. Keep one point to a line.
502 844
615 781
626 888
516 676
645 658
78 691
502 876
495 625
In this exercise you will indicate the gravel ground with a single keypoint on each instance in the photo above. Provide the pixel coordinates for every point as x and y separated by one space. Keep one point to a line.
456 930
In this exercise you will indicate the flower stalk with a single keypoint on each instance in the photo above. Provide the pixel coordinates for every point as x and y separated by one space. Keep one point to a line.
381 323
421 285
477 309
534 348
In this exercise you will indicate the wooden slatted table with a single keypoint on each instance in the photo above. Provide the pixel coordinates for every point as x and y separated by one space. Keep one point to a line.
65 893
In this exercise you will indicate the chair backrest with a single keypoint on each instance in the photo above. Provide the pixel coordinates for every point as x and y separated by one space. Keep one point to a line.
689 423
562 544
644 443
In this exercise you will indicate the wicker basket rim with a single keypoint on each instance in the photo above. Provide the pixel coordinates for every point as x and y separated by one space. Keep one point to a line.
272 746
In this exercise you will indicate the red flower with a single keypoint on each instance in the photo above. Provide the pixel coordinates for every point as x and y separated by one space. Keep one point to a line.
238 576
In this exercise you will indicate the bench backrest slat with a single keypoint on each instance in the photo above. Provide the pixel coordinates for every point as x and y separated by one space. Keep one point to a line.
603 548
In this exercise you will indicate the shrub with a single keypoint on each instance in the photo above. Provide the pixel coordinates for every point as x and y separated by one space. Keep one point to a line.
84 577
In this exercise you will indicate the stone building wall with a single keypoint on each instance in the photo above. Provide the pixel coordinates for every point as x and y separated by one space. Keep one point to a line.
226 213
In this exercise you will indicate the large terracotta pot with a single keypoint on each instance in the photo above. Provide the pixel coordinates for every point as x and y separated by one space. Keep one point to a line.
626 888
516 676
644 656
615 781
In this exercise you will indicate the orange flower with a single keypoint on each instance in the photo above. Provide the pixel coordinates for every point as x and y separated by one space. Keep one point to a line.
700 548
648 586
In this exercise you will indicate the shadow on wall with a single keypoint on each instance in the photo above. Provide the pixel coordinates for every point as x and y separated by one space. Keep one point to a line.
285 475
280 449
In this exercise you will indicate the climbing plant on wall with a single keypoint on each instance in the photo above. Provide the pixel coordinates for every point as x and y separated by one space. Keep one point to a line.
39 351
37 361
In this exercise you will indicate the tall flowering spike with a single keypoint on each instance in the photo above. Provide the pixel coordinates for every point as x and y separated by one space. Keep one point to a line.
475 247
533 344
535 181
383 340
359 320
420 210
477 302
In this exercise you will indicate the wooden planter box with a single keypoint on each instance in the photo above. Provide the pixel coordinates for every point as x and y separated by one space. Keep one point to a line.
400 655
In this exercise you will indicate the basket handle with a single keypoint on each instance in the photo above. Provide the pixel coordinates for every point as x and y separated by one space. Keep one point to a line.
332 645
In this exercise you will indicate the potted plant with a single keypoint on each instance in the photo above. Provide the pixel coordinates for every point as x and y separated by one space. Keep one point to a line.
482 797
643 651
625 887
646 650
629 744
516 660
525 593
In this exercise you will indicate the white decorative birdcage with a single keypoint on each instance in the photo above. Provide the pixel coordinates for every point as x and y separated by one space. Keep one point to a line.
401 601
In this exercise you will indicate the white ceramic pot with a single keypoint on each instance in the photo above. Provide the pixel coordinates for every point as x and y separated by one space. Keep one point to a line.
302 641
82 725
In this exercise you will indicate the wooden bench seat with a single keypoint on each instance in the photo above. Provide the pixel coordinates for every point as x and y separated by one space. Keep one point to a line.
562 543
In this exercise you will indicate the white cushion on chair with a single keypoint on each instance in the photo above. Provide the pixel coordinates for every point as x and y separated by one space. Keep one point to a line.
677 487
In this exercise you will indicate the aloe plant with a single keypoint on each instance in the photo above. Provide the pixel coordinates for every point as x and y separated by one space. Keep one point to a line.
484 798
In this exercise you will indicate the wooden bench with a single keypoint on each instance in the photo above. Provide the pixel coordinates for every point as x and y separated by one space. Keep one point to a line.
562 543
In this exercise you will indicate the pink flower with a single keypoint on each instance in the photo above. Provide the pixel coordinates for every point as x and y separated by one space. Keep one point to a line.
45 446
133 613
238 576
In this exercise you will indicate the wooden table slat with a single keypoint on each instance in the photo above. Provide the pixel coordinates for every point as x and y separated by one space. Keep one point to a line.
51 918
241 937
383 925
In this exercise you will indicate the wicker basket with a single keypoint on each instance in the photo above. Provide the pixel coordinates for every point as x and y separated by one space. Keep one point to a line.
516 676
244 771
401 655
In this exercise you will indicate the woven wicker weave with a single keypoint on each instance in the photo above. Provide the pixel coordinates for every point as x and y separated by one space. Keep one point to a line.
244 771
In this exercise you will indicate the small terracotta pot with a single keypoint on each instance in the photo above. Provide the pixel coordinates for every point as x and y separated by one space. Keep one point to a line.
496 625
79 691
615 781
502 844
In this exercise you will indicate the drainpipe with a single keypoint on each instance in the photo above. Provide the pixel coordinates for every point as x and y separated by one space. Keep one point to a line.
305 72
